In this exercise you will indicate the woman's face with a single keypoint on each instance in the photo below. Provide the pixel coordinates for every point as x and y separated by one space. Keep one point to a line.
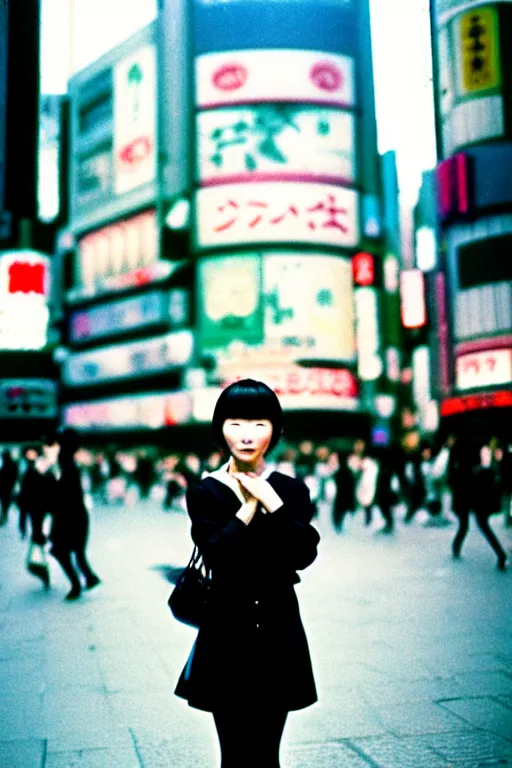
247 439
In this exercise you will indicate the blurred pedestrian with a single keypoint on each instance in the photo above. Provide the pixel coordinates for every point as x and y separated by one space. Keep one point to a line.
144 475
474 486
366 471
344 498
250 664
8 480
433 470
386 497
70 529
34 501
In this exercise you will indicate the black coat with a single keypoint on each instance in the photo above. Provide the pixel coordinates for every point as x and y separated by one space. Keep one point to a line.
252 645
70 526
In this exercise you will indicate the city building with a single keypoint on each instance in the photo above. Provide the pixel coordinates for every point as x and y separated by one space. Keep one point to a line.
227 220
473 279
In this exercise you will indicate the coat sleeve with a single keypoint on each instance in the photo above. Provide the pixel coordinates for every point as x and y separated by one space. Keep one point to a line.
219 542
295 537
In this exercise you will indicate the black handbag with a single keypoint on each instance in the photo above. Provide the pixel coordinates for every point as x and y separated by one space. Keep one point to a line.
189 599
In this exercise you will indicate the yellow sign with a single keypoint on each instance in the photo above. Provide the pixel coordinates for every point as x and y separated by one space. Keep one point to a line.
479 49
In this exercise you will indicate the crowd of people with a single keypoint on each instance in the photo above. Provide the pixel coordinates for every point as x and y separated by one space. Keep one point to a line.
59 481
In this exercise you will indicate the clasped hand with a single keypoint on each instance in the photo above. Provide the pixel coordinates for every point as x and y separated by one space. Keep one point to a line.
259 489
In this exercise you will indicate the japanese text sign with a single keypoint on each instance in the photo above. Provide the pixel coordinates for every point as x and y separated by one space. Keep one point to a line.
484 369
243 77
276 212
276 141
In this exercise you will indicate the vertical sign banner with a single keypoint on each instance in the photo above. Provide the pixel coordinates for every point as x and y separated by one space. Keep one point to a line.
4 10
369 361
230 300
478 51
135 120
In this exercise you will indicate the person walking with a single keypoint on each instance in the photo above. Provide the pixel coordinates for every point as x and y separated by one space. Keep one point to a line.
474 486
344 498
70 529
34 501
250 665
8 479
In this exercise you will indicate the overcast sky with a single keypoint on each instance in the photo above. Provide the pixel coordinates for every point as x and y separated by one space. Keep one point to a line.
401 53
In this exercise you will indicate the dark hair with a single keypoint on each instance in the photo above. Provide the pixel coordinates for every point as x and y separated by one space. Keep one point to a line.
247 399
51 438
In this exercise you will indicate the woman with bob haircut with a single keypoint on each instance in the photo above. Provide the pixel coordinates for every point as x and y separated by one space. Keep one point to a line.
250 664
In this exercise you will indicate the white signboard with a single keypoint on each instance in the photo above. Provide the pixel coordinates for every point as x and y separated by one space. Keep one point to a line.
484 369
232 214
276 141
24 297
148 411
309 305
137 358
369 361
244 77
135 120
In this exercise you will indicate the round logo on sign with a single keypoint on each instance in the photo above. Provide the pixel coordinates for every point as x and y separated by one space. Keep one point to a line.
136 151
230 77
326 76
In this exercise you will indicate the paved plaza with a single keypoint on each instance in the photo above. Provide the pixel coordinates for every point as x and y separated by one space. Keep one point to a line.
412 653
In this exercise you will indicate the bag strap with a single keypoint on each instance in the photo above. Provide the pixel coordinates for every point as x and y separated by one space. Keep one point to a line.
195 561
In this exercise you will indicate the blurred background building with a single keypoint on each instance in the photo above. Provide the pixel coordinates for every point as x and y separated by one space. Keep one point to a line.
208 198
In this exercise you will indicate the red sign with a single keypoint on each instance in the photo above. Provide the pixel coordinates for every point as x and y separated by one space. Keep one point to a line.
363 269
25 277
453 186
455 405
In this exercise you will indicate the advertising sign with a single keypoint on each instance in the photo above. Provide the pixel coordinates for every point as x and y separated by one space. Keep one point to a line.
28 399
149 309
148 411
469 88
369 361
412 296
24 298
276 141
476 402
136 358
483 311
233 214
245 77
478 61
484 369
135 102
230 304
117 249
309 305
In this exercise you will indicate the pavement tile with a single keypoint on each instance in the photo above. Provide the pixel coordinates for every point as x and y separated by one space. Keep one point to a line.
333 718
476 748
132 671
418 717
94 758
24 676
153 712
405 691
324 756
485 684
77 718
21 717
22 754
485 713
162 753
394 752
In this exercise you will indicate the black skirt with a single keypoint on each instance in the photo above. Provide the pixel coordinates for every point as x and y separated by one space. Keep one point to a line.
250 648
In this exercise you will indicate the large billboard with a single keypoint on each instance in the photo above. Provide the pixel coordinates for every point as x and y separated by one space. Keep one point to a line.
276 141
261 308
271 212
244 77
